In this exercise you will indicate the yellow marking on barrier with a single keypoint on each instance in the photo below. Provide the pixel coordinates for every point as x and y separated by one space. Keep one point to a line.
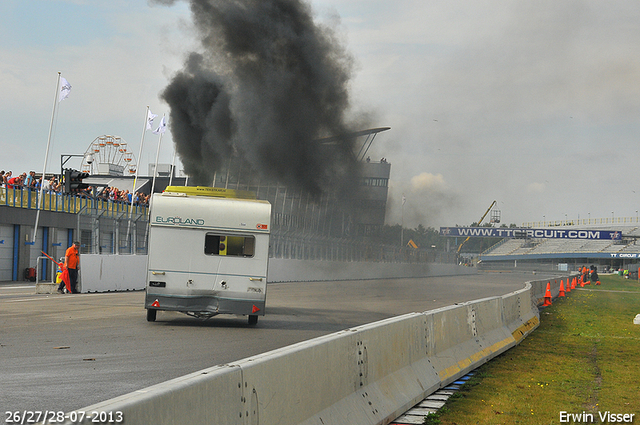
527 327
499 345
474 358
448 372
516 336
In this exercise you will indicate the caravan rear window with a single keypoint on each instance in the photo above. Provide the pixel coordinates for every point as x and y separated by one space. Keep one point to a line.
235 246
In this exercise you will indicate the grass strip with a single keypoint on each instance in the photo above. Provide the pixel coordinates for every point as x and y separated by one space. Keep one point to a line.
584 359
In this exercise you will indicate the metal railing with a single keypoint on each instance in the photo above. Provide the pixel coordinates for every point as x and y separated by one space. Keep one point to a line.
611 221
18 197
114 227
319 248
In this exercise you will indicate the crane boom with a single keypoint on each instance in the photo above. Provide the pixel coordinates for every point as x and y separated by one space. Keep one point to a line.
481 218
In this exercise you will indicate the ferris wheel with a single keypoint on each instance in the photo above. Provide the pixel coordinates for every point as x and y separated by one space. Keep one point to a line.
109 155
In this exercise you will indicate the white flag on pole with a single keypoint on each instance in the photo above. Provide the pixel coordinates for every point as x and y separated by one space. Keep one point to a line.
150 117
162 127
65 88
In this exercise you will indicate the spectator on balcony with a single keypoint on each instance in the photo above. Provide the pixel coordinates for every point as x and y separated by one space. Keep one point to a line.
5 178
141 199
56 186
86 193
46 186
14 182
30 180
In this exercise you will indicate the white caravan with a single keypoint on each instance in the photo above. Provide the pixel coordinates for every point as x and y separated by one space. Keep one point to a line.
208 253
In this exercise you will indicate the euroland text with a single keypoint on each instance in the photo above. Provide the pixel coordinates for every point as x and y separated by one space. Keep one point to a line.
590 418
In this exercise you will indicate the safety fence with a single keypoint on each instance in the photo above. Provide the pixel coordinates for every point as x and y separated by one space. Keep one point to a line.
370 374
104 232
301 247
68 203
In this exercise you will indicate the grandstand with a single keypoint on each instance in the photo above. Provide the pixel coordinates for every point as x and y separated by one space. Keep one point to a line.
549 253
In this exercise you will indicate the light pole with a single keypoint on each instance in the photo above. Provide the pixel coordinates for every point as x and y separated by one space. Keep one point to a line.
402 222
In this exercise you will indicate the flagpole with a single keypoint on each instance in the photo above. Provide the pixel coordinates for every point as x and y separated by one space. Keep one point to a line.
160 131
46 156
144 130
135 179
155 168
173 162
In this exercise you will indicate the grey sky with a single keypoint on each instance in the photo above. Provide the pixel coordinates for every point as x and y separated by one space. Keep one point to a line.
532 104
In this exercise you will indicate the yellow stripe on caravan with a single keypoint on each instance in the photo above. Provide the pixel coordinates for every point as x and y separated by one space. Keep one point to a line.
216 192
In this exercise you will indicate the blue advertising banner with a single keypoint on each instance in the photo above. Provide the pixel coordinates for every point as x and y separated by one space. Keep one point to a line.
546 233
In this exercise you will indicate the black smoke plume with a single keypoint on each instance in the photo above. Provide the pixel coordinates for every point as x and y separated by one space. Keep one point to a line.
267 85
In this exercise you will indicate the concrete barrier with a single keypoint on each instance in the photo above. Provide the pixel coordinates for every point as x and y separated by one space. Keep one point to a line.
520 312
209 396
389 372
366 375
539 287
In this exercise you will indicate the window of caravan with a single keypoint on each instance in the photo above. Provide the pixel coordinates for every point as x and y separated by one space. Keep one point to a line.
236 246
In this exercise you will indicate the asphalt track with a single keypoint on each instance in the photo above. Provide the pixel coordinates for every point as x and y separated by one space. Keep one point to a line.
65 352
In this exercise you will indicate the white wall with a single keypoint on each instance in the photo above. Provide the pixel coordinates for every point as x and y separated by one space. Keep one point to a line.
102 273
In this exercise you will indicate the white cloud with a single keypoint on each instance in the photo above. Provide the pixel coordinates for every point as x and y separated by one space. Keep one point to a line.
427 182
535 187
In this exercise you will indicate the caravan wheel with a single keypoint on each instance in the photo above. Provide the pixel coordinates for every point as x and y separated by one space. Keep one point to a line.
151 315
253 319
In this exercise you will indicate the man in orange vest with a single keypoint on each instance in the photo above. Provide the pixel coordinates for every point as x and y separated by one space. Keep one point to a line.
71 262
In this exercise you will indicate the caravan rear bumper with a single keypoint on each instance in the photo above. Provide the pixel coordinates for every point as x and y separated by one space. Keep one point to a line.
208 304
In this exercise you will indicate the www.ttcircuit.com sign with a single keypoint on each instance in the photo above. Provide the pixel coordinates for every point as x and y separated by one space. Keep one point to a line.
510 232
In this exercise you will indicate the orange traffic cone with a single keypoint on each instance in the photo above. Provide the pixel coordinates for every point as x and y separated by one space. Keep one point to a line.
581 282
561 294
573 283
598 282
547 296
